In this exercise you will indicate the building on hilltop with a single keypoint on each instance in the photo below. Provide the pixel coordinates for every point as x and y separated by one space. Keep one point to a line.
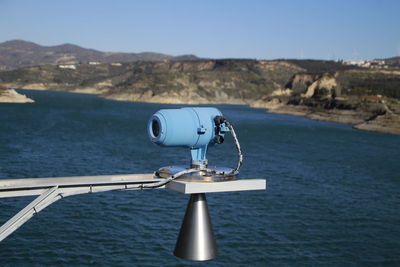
69 66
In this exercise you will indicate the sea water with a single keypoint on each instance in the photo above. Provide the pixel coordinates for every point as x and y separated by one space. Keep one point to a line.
333 195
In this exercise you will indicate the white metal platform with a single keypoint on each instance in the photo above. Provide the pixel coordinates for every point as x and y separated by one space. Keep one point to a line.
215 187
92 184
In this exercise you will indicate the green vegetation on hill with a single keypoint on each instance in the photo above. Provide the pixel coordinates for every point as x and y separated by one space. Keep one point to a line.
320 66
393 61
371 83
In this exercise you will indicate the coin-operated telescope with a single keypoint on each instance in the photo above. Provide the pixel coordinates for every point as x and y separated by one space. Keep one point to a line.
196 129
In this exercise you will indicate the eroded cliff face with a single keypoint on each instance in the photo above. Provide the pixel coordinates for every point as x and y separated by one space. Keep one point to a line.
323 87
307 85
301 81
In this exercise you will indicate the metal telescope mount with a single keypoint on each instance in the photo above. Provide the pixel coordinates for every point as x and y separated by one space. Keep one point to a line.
194 128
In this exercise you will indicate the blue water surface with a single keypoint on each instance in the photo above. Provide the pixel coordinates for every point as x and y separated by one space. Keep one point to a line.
333 196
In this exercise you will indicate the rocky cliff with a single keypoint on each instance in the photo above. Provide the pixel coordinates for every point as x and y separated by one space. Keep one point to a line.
368 99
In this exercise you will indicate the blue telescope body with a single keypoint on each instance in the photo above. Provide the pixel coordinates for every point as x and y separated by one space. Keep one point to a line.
190 127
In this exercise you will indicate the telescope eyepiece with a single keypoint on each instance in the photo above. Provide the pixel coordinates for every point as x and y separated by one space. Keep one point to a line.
155 128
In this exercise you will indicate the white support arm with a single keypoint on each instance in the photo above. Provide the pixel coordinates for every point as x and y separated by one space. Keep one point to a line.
53 189
73 185
48 197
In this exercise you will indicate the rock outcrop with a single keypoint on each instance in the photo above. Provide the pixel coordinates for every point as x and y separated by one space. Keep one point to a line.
11 96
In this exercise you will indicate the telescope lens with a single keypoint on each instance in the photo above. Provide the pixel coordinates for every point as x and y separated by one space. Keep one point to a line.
155 127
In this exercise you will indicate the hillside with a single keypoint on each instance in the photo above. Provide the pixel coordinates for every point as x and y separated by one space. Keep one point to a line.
369 99
17 53
205 81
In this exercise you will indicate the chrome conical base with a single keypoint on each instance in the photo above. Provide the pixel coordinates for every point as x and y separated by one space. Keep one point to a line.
196 239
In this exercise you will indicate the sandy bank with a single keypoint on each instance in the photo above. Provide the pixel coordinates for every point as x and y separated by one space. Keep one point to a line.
11 96
55 87
160 99
388 123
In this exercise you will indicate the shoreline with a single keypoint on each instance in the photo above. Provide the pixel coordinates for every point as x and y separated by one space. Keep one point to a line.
387 123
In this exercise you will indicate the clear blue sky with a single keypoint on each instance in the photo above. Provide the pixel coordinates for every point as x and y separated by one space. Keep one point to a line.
341 29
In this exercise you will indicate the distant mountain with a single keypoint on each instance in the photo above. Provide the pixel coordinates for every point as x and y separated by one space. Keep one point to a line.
18 53
394 61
